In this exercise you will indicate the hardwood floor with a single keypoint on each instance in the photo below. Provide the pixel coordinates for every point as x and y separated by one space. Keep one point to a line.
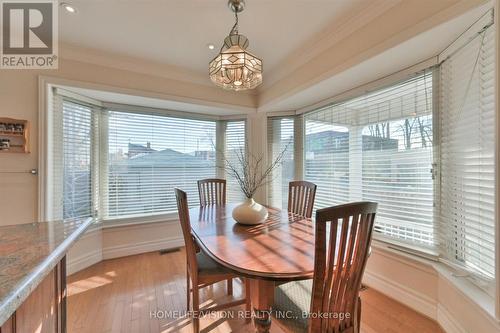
125 294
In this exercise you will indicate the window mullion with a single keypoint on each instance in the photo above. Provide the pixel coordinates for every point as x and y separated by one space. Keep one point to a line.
103 163
355 163
220 148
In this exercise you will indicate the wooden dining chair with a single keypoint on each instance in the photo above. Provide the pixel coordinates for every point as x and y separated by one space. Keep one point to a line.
201 270
212 191
301 196
342 242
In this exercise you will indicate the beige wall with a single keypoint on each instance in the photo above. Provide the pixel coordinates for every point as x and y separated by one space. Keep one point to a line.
19 99
18 192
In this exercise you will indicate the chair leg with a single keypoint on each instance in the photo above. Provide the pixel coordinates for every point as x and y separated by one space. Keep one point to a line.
230 287
248 301
196 308
188 289
357 327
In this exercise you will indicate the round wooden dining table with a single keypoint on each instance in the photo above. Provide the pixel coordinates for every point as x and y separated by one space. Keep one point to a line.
280 249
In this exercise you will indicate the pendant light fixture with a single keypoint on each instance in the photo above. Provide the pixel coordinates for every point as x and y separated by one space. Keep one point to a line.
234 68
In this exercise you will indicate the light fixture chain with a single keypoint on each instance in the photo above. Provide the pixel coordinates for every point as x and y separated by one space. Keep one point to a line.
234 30
234 68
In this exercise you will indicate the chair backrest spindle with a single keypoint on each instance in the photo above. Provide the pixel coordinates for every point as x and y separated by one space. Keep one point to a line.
212 191
339 263
301 195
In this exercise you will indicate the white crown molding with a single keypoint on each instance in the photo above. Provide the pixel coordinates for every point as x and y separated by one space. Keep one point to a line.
138 65
315 45
133 64
329 36
292 75
62 81
352 49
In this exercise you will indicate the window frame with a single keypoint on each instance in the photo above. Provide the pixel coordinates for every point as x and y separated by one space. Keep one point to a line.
105 165
92 158
384 83
47 194
170 217
223 148
127 220
100 152
270 152
432 253
488 285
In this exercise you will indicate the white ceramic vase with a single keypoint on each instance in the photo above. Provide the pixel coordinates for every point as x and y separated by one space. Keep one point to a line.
249 212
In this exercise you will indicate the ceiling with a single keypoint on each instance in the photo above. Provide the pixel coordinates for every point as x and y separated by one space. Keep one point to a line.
172 36
406 54
176 32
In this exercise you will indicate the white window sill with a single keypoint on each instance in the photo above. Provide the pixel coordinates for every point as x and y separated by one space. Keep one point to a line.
414 250
138 220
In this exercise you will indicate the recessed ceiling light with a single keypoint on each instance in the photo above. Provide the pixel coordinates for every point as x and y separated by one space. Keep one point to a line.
211 46
69 8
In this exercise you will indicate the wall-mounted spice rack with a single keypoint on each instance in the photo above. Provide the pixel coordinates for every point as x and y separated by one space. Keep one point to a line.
14 135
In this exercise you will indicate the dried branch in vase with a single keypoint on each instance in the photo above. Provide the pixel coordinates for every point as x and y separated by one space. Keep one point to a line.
249 170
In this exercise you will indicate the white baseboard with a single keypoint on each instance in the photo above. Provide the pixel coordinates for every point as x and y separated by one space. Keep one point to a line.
414 300
447 321
77 264
93 257
142 247
411 298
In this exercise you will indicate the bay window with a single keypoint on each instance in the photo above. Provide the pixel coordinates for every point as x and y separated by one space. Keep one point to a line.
151 154
118 162
424 149
378 147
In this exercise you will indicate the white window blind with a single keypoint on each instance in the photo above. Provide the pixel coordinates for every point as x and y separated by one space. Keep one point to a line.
467 156
280 136
235 143
378 147
77 148
327 158
149 155
71 159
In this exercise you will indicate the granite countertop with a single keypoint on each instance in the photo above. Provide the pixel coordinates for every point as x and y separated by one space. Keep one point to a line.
28 252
